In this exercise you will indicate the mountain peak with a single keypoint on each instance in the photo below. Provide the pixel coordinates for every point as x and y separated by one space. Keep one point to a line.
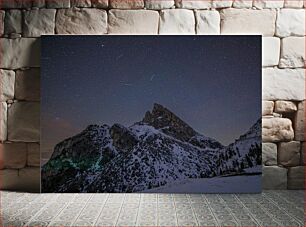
254 131
159 107
162 118
94 127
158 112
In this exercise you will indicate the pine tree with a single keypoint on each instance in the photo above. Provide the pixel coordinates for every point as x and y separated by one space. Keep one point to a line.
242 165
238 152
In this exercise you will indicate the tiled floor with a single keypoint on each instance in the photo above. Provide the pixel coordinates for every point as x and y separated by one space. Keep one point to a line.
271 208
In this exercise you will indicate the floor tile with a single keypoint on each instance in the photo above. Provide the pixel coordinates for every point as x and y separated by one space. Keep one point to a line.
271 208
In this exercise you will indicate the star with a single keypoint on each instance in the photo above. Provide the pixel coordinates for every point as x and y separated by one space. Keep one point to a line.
119 56
152 77
126 84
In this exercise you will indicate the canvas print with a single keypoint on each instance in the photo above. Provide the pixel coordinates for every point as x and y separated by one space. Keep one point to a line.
165 114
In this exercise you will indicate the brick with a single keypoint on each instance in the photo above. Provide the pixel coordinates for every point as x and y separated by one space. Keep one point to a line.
159 4
13 21
192 4
23 122
296 178
274 177
15 4
178 21
100 3
208 22
39 3
27 86
81 21
290 22
277 129
39 22
221 3
289 154
269 154
262 4
7 84
2 15
133 22
20 53
285 107
25 180
57 4
283 84
267 108
3 121
270 51
299 122
13 155
126 4
293 4
248 21
242 4
303 158
80 3
293 52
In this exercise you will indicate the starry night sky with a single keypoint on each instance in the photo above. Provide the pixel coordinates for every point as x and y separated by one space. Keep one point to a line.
211 82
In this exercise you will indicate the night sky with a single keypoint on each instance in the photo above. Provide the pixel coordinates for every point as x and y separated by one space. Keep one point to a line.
211 82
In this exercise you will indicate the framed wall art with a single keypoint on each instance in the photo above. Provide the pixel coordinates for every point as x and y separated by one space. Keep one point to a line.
166 114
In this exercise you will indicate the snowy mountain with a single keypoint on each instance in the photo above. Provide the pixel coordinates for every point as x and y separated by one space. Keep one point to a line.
164 120
233 184
157 151
244 153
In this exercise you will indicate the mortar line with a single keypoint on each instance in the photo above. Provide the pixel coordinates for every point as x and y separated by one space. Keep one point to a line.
268 213
100 213
213 214
38 212
157 213
174 203
272 201
194 215
138 210
120 209
22 197
156 210
250 212
78 215
287 201
64 207
229 209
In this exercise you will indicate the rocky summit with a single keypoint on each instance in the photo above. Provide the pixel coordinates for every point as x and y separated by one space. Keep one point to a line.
157 151
166 121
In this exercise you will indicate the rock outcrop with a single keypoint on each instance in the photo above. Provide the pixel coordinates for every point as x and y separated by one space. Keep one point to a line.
163 119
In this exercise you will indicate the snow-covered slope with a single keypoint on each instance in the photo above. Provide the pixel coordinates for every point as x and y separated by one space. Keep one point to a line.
232 184
156 160
244 153
157 151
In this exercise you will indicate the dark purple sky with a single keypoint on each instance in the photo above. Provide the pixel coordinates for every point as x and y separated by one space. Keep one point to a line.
212 82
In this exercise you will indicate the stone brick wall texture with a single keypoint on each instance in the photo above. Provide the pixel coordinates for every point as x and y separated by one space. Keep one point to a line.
280 22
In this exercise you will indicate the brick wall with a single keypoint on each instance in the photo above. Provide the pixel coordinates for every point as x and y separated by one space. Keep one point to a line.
281 22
